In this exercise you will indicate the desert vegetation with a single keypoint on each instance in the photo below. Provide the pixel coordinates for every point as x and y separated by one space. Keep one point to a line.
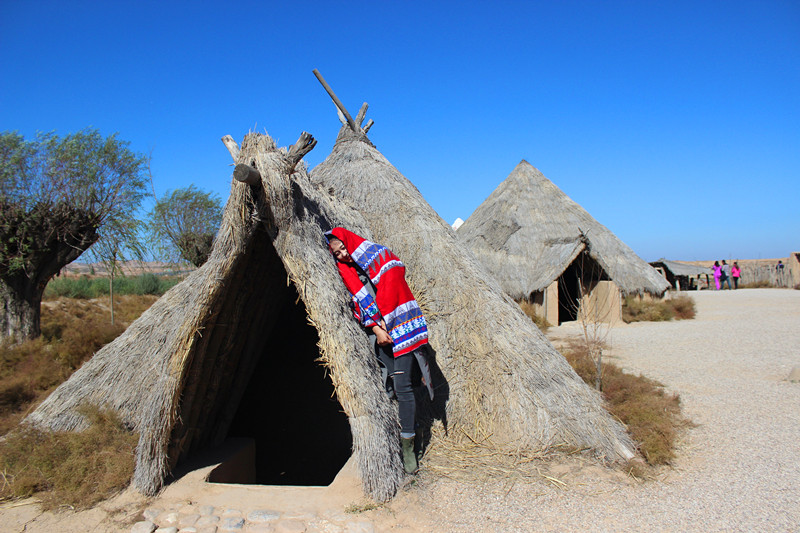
638 310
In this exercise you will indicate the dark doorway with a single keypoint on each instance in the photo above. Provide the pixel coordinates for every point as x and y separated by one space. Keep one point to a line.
569 293
289 407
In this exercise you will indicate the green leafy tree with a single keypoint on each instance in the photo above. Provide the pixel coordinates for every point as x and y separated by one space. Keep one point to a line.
182 225
58 197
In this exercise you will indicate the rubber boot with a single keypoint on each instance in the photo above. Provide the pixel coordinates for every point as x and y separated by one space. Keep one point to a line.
409 456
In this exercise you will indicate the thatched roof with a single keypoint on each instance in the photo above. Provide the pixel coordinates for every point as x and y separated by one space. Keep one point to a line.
527 232
508 386
176 375
681 269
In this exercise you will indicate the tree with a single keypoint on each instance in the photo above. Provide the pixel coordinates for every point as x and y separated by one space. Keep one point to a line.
183 224
58 197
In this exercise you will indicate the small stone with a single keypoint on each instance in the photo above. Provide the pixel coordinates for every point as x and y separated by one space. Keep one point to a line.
323 526
167 530
794 375
206 510
290 526
145 526
305 517
231 523
152 513
207 521
167 518
188 520
259 528
207 529
359 527
262 515
187 530
232 512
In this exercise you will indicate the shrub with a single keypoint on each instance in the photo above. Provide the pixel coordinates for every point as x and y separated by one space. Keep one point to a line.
682 307
529 309
652 415
78 469
639 310
86 288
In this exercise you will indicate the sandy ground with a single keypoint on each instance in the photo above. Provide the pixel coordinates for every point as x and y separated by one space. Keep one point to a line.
738 470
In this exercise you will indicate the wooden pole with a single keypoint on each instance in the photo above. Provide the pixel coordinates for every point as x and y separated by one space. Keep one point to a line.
336 100
246 174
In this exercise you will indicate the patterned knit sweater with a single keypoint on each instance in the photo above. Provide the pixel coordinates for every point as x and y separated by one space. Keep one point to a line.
393 301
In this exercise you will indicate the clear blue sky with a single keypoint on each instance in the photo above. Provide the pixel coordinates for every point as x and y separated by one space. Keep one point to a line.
676 124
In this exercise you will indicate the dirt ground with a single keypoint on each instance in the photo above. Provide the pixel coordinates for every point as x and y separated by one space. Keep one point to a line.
738 470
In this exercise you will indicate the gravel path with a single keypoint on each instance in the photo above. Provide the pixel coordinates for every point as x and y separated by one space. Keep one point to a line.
739 470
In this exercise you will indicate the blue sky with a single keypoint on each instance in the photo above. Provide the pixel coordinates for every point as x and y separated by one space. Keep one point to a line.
676 124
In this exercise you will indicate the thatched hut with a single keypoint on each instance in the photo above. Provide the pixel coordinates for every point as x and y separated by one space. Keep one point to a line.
508 386
235 348
543 247
682 276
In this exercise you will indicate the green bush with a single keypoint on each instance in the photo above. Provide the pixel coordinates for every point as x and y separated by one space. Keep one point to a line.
86 288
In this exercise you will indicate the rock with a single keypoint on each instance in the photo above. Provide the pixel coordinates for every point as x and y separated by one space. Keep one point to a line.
207 529
262 515
231 512
794 375
187 530
231 523
259 528
188 520
152 513
206 510
290 526
167 519
145 526
205 521
167 530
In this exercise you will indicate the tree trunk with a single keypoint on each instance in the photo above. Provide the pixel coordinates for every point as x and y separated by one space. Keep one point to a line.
19 317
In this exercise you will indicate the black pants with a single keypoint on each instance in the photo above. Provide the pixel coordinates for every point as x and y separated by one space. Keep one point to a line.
398 384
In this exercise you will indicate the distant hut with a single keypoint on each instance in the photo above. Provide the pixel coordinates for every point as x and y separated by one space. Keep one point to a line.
543 247
682 276
508 386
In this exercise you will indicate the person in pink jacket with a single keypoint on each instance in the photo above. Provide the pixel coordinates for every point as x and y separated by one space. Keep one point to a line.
736 273
717 273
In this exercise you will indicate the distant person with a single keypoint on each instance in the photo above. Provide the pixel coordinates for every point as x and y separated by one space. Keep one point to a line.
736 273
725 274
717 273
779 272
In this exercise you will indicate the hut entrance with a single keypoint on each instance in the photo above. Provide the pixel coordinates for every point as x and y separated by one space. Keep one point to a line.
577 281
302 436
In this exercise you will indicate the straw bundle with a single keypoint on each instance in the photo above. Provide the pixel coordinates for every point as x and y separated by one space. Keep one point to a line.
509 388
527 232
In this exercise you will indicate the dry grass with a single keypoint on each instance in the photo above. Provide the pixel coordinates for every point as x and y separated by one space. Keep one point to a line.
68 468
72 330
652 415
639 310
530 310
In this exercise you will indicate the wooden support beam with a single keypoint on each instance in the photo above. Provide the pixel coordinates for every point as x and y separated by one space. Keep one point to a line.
246 174
370 122
336 100
304 144
232 147
361 114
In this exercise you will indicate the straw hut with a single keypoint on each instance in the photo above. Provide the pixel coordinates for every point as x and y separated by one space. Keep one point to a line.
543 247
509 389
682 276
235 348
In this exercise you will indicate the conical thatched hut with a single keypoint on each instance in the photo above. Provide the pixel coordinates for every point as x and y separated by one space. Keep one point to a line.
543 247
508 386
232 342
